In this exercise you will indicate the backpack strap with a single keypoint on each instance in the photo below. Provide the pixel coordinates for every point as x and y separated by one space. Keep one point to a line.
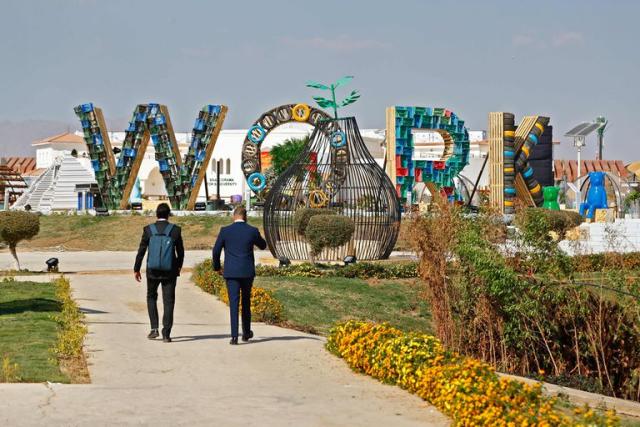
168 228
154 229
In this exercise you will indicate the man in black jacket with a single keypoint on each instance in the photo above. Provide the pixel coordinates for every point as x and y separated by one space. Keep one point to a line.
167 279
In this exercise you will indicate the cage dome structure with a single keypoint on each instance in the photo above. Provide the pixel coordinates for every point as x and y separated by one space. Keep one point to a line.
336 172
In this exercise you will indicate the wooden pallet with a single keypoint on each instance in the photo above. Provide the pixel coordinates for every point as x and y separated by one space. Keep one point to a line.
135 169
106 142
191 204
391 143
172 136
522 131
496 160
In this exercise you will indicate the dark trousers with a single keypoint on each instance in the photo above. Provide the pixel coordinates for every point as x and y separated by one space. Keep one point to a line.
235 287
168 300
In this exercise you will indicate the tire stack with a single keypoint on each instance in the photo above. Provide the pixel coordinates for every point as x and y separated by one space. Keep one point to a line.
522 160
541 159
509 155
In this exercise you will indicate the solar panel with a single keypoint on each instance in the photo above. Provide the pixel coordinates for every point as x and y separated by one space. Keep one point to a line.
583 129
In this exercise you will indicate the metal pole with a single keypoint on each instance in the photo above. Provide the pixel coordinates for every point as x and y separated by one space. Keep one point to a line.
578 195
206 189
475 186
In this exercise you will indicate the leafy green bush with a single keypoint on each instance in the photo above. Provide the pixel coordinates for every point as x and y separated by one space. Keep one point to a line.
527 316
557 221
283 155
16 226
328 231
302 216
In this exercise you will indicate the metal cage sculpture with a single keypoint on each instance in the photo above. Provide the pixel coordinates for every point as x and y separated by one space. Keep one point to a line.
334 172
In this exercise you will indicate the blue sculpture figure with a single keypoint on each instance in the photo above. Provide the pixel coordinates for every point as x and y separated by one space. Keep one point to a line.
596 196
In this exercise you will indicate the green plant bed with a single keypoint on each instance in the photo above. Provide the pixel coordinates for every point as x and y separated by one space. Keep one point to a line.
28 330
360 270
316 304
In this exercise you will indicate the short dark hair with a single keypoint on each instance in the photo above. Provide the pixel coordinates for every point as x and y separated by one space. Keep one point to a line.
241 212
163 211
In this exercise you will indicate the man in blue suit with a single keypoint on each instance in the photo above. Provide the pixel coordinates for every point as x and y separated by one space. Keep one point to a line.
238 240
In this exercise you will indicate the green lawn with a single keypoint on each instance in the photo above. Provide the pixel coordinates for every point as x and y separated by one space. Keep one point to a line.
120 232
319 303
28 330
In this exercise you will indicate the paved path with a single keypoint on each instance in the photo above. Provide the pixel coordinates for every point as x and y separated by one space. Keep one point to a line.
281 378
114 260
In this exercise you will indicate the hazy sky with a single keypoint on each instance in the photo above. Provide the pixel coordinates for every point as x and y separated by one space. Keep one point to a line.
572 60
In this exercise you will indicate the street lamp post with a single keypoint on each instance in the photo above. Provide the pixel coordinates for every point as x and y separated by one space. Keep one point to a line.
579 134
579 142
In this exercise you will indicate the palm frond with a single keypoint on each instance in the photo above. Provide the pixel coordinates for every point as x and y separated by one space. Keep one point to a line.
343 81
323 102
317 85
353 97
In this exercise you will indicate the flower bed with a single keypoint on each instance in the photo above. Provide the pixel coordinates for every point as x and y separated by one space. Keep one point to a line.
72 328
264 306
466 389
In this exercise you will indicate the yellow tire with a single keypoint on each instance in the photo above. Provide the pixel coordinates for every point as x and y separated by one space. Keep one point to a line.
535 189
509 133
508 203
508 170
318 199
300 112
539 126
525 149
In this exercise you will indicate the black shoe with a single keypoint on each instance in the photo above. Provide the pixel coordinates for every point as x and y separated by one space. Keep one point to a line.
153 334
247 337
234 341
166 339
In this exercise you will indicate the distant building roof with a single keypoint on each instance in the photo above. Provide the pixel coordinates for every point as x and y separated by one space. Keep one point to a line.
63 138
569 168
19 164
35 172
634 168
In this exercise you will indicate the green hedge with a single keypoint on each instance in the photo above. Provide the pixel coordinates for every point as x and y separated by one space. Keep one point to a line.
602 261
361 270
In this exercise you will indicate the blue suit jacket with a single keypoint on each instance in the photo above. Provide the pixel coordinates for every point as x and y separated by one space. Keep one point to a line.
237 240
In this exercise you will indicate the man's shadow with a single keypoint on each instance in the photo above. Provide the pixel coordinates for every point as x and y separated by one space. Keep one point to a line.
252 341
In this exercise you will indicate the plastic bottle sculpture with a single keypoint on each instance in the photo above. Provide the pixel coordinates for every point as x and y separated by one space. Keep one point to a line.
550 195
596 196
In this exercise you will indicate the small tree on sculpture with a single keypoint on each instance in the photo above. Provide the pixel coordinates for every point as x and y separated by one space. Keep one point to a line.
16 226
332 103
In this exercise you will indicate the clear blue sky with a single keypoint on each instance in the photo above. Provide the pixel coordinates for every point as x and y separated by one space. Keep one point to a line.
572 60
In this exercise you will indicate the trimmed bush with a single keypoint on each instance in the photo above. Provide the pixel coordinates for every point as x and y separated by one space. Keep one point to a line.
16 226
466 389
302 216
328 231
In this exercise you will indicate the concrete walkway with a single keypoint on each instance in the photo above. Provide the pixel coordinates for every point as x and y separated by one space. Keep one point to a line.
281 378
